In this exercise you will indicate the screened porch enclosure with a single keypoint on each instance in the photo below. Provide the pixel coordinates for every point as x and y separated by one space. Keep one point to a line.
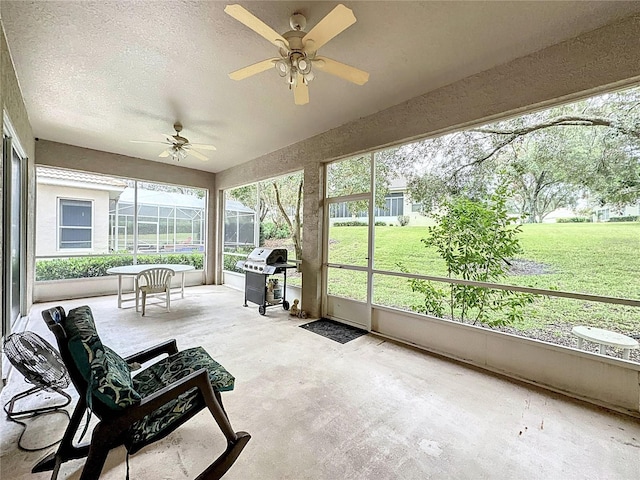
167 222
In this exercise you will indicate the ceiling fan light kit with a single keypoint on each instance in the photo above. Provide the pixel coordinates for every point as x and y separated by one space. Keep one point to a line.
297 49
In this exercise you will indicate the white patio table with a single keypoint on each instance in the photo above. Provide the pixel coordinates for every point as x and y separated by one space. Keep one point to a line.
134 270
605 337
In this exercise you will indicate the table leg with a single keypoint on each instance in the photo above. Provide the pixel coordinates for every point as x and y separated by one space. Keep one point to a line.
602 349
625 353
580 342
182 288
119 291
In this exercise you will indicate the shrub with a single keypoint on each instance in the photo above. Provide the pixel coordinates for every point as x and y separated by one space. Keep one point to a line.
380 224
473 238
229 264
629 218
573 220
403 220
97 266
350 223
271 231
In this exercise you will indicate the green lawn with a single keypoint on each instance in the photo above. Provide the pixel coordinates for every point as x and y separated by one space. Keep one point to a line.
600 258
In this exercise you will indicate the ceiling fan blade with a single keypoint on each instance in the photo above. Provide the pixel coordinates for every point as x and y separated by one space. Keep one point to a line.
197 154
342 70
166 153
203 146
336 21
252 69
147 141
300 91
254 23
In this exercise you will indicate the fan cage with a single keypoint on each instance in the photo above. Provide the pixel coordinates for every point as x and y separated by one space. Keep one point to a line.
37 361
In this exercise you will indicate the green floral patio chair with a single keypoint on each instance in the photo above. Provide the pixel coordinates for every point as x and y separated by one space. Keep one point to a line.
135 411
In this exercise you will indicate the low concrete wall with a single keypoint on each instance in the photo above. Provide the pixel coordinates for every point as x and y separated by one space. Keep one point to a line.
610 382
51 291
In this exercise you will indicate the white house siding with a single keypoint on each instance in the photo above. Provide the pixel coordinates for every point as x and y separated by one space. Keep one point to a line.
605 214
47 218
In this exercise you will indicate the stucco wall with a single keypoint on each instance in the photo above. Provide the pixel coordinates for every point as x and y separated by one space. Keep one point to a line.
604 58
598 379
47 218
13 105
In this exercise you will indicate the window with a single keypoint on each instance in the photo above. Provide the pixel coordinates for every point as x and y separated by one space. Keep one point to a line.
346 210
393 206
75 224
111 221
552 189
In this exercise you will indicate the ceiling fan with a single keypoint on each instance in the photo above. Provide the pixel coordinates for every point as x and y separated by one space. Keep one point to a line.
298 49
179 147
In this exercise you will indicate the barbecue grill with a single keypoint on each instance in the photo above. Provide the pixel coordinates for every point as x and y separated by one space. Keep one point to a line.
258 267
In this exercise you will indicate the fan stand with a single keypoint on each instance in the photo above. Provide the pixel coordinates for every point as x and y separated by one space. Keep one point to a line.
42 367
33 411
14 416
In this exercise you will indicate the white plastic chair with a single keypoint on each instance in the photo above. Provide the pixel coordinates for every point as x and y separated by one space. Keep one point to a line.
154 280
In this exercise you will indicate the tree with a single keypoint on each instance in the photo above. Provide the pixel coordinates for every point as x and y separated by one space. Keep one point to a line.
474 238
278 199
247 195
353 176
550 157
287 200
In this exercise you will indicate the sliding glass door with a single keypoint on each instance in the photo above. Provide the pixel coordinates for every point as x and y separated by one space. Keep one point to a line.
12 234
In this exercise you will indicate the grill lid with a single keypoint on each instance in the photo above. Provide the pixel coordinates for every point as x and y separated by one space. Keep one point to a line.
264 260
268 256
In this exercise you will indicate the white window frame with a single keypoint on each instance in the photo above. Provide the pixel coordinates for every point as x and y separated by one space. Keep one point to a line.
59 225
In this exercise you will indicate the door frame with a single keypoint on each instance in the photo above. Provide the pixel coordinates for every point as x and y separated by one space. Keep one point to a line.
349 306
11 144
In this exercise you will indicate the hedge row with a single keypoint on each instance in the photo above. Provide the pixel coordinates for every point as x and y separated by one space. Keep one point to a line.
573 220
355 223
87 267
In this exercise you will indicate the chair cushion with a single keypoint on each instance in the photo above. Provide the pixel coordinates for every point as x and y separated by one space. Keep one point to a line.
111 380
166 418
83 340
179 365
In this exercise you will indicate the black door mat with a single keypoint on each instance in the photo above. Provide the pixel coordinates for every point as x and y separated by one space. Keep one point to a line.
336 331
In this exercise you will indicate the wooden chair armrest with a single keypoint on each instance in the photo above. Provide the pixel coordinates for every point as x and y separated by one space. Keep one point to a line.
133 413
198 379
169 347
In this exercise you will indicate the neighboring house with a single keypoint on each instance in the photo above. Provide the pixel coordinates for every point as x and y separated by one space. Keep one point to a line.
80 213
397 203
608 212
72 212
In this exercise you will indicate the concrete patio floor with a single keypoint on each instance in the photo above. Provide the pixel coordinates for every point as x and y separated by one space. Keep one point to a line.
317 409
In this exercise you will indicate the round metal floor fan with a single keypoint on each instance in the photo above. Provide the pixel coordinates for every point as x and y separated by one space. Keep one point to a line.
41 365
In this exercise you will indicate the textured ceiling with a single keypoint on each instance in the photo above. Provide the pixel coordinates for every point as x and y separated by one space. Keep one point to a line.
99 74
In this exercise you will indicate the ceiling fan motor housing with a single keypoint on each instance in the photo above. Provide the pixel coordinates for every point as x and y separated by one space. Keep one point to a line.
178 128
180 140
298 21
